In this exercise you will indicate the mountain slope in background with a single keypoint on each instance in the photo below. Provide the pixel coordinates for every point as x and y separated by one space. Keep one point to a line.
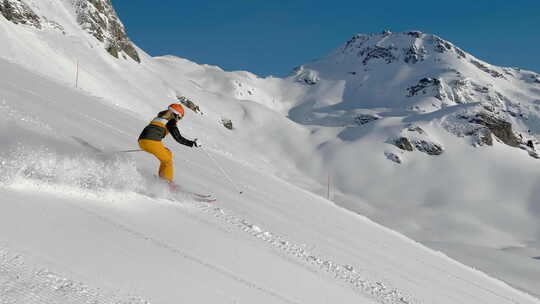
408 126
442 145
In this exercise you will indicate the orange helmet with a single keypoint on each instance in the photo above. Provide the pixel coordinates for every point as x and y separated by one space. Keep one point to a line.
177 109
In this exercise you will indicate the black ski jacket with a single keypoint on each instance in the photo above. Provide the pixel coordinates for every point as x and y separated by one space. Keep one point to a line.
159 128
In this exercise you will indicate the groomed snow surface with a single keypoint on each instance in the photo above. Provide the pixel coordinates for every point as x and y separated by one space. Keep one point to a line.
82 223
83 226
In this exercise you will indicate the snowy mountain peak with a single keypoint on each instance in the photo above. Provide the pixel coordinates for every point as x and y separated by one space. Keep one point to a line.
410 47
99 18
413 73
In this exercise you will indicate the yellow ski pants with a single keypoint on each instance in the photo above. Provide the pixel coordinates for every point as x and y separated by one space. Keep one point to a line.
166 167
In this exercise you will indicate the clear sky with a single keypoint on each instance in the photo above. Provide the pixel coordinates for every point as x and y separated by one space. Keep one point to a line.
271 37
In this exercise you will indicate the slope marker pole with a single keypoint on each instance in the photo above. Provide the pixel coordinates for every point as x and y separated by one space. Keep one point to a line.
77 75
328 191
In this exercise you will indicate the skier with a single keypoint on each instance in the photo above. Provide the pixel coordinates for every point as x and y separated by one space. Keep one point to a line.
159 127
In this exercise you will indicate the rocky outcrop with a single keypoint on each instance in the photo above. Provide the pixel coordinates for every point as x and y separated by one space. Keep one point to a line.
393 157
427 84
414 54
484 122
227 123
442 46
415 34
403 143
189 104
363 119
100 20
486 69
502 129
356 42
414 137
459 91
481 136
428 147
464 90
19 12
377 52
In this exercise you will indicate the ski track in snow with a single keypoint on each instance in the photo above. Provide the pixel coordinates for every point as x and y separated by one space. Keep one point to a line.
46 287
375 289
359 280
159 243
42 286
366 282
21 283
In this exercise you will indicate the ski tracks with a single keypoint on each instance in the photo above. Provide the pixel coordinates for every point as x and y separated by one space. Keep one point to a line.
22 283
164 245
360 280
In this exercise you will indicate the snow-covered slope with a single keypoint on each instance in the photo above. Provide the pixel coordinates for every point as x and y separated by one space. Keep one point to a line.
347 115
78 225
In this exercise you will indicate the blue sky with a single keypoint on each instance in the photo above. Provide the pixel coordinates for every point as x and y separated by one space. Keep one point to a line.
272 37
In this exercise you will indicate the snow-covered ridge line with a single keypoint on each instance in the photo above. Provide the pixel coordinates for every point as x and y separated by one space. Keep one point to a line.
24 283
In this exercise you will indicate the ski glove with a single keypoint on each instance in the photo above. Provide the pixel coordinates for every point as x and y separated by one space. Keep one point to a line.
195 144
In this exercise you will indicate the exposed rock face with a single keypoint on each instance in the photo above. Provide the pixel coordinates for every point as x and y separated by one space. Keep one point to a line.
464 91
414 137
227 123
403 143
482 137
443 46
378 52
500 128
486 69
428 147
99 19
421 145
364 119
427 83
393 157
414 54
18 12
189 104
415 34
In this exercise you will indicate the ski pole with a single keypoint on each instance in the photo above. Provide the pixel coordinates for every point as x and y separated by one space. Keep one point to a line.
123 151
223 171
128 151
